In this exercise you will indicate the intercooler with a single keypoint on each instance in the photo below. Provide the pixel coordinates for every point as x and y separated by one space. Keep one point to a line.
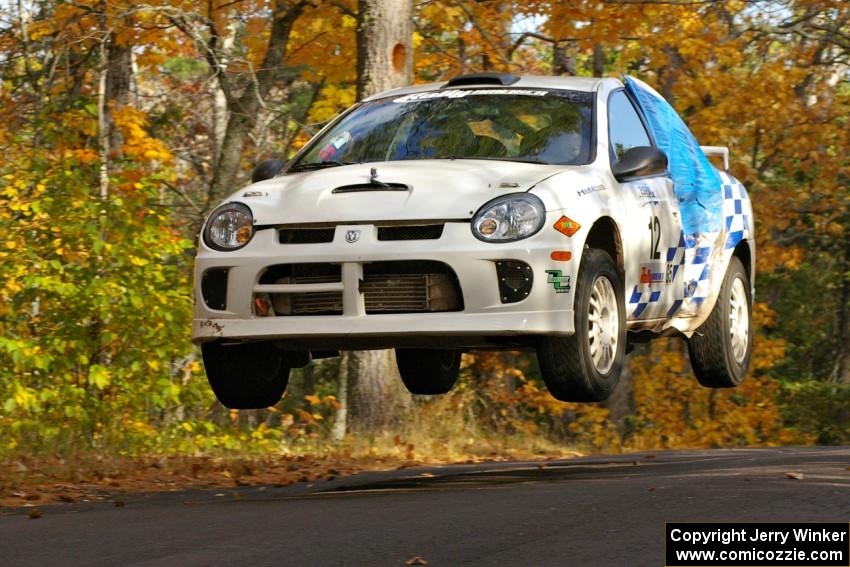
386 287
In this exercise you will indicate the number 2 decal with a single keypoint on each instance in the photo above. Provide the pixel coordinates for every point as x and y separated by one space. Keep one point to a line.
654 238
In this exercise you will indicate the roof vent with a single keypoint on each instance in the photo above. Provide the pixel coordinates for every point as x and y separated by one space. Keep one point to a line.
503 79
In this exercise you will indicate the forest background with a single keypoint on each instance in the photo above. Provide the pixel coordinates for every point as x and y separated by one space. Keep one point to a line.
123 123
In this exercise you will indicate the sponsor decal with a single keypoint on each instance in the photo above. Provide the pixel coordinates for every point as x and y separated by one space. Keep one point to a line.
333 147
649 276
456 93
565 225
352 236
560 283
646 193
591 189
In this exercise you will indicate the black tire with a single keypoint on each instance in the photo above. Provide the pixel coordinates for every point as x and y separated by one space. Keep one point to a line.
428 371
566 363
245 375
711 347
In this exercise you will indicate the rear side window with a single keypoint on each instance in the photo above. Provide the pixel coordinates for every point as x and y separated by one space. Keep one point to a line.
625 129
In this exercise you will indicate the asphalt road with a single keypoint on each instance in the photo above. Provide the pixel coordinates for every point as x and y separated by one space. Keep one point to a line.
587 511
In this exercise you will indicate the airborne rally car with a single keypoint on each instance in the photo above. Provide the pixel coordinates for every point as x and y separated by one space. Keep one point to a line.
572 216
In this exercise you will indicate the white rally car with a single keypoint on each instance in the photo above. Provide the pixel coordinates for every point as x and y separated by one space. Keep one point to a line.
571 216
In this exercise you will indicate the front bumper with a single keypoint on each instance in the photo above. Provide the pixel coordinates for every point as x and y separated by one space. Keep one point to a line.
543 312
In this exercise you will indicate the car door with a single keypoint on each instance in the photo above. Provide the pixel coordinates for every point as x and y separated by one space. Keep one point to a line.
653 241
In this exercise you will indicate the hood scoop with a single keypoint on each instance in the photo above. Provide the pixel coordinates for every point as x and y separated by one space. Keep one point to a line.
373 185
380 186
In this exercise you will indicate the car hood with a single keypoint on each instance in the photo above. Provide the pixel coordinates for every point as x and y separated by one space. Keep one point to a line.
436 190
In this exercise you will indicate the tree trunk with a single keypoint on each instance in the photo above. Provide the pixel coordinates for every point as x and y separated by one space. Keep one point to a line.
598 61
102 119
375 394
670 74
119 75
842 364
621 403
563 63
219 101
341 413
384 45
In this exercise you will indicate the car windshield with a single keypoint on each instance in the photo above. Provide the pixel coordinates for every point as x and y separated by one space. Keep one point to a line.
540 126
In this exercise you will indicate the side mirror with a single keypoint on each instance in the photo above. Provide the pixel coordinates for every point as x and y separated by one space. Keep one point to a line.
266 169
639 161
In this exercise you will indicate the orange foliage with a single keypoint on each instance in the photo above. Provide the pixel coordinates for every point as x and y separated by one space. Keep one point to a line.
673 410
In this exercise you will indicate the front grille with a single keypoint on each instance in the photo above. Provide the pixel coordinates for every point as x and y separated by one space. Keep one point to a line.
413 232
410 287
315 303
387 287
306 235
385 233
302 273
318 303
396 293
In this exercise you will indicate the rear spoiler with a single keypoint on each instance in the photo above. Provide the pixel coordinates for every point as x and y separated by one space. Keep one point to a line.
721 151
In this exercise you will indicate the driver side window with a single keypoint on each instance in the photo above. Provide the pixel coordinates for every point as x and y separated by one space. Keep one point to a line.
625 128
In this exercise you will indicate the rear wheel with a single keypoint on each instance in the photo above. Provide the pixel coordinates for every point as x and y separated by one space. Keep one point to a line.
428 371
586 366
246 375
720 349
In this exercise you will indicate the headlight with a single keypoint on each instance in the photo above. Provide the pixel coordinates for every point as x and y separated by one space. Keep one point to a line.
230 227
508 218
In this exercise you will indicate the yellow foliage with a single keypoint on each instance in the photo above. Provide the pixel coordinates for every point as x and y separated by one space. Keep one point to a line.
330 102
137 144
674 411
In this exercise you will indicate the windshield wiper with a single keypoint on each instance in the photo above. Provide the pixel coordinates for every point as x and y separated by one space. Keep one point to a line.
319 165
490 158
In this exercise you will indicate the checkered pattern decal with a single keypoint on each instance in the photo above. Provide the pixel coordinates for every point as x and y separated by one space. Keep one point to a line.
640 299
736 222
695 254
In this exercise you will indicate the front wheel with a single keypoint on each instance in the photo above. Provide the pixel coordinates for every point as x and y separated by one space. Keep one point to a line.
428 371
246 375
586 366
720 348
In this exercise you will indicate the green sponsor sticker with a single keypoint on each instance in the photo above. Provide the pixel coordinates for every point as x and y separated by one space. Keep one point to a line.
560 282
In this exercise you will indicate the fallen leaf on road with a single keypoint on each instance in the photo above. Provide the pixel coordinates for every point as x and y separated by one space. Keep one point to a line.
427 474
795 475
416 561
119 503
35 514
